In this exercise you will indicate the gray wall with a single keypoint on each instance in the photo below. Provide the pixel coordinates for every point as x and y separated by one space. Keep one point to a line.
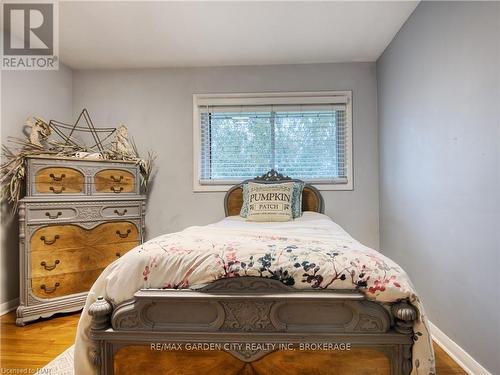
438 106
156 105
46 94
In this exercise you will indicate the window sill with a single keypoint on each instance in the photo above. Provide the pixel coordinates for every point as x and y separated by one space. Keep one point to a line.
197 188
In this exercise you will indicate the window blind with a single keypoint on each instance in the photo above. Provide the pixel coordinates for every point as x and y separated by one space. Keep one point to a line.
302 141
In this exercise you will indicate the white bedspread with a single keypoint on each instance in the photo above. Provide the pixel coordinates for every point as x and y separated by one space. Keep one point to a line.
309 252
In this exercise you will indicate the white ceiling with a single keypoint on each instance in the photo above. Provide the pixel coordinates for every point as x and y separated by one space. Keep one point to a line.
173 34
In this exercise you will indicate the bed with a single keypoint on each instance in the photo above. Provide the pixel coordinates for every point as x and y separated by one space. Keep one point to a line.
236 294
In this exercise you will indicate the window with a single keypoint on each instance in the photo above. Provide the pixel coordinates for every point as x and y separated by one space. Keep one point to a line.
302 135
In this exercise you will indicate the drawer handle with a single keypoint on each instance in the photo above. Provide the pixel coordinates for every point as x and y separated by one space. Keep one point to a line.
117 189
57 178
118 254
49 242
49 290
50 216
116 179
123 235
50 268
121 213
57 191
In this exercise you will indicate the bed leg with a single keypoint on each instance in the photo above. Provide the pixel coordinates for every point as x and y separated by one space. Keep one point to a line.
107 358
100 311
404 316
406 360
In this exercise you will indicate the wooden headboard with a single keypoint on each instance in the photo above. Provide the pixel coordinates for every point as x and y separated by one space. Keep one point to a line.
311 197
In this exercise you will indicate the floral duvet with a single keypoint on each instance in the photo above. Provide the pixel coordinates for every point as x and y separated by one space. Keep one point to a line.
311 252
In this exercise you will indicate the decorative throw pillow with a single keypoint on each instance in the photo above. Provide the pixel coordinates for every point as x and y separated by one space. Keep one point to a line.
270 202
244 206
298 187
297 199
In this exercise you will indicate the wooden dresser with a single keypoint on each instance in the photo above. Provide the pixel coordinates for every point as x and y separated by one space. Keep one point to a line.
78 216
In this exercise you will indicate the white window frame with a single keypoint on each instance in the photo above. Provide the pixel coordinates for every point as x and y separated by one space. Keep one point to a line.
316 97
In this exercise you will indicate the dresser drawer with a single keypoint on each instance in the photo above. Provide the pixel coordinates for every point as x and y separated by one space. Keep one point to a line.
94 257
55 237
121 211
114 181
71 236
116 232
51 214
59 180
63 284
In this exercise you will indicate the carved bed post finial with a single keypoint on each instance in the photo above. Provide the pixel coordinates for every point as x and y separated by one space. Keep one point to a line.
100 312
404 314
272 175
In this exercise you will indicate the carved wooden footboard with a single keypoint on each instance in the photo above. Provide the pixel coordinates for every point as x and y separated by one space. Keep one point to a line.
246 310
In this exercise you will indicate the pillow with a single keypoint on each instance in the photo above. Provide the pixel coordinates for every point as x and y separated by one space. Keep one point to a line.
244 206
270 202
296 199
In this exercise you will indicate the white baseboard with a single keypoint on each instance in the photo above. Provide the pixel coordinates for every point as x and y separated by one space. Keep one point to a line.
8 306
460 356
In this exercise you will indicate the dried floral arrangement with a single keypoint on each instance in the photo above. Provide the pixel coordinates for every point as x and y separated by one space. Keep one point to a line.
39 143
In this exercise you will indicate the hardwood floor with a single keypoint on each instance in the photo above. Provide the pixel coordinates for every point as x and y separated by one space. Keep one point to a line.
36 344
33 346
